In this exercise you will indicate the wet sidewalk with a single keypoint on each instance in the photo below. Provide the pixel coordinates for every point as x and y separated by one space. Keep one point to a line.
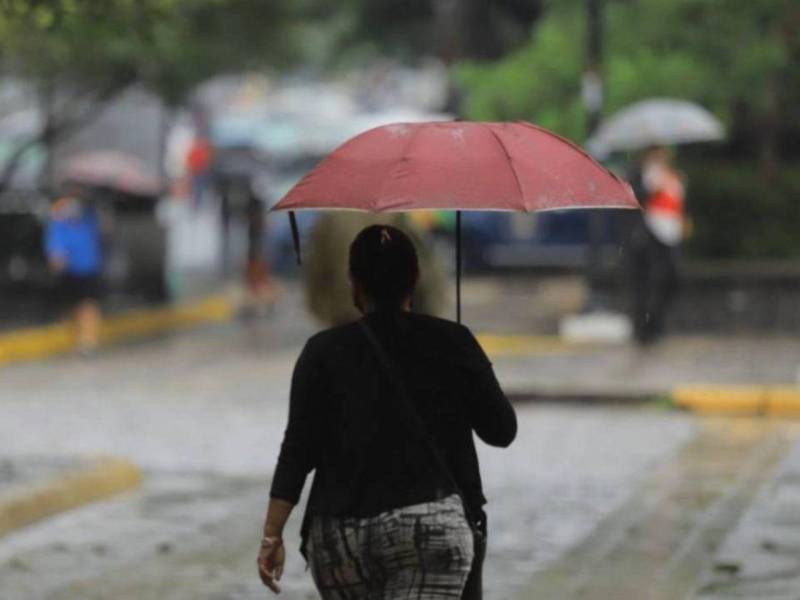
651 484
613 370
661 541
517 320
761 557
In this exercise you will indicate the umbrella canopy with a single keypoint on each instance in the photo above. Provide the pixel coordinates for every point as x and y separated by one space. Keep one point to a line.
655 122
457 165
113 170
454 165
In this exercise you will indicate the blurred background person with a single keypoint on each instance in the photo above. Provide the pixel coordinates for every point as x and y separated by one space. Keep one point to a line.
73 247
198 165
327 291
260 288
655 242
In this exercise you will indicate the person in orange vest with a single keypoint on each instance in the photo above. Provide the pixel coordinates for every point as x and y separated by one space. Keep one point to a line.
655 243
198 165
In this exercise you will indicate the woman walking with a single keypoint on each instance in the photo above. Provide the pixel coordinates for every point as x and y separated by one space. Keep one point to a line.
383 411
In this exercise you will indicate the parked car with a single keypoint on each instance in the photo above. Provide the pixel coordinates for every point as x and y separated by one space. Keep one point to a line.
559 240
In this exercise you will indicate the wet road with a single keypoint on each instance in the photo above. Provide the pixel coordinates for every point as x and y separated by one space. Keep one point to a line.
203 414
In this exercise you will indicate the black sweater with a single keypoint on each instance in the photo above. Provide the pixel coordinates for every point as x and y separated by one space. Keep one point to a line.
344 421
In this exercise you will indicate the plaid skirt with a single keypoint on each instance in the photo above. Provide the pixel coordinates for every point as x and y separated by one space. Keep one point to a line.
422 551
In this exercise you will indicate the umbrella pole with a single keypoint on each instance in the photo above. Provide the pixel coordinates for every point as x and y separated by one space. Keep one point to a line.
295 237
458 266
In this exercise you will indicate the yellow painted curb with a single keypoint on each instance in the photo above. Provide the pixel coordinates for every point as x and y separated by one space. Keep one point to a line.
784 401
150 321
41 342
714 399
520 345
747 400
101 480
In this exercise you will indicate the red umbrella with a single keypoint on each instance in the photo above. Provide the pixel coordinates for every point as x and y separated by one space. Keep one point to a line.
457 165
113 170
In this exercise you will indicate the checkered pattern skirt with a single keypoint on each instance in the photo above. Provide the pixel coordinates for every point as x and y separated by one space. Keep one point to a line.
421 552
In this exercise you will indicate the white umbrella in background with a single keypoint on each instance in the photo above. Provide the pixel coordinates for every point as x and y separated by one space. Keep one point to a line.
655 122
114 170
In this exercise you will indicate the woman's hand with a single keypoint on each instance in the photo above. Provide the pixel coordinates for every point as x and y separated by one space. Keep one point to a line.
272 555
270 562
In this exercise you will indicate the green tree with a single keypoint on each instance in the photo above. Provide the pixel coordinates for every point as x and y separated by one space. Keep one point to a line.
450 29
78 54
734 56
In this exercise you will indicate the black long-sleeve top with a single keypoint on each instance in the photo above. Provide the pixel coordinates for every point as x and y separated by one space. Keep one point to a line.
344 422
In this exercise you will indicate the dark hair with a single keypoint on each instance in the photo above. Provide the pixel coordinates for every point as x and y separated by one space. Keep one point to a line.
383 261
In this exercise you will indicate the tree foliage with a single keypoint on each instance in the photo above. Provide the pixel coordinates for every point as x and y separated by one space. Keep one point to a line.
734 56
450 29
77 54
170 45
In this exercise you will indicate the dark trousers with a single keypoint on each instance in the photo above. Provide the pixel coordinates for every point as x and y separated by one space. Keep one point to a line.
653 268
473 589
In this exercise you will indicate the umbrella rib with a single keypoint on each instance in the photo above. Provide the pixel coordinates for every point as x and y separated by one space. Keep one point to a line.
393 167
510 164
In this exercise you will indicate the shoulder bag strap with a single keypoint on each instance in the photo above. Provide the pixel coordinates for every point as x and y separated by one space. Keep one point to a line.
411 416
473 589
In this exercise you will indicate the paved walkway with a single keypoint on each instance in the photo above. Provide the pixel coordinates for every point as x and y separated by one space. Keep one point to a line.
761 557
523 316
625 369
721 520
656 545
165 404
191 531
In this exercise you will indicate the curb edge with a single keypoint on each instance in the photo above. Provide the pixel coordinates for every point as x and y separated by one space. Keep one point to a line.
101 479
50 340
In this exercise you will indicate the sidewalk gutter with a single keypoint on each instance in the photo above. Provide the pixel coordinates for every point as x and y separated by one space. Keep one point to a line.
767 400
732 400
98 480
583 396
41 342
520 345
774 400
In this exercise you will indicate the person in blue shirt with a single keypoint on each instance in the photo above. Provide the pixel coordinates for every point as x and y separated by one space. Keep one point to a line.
73 247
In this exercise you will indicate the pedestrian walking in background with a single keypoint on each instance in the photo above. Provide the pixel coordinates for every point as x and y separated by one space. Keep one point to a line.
198 164
655 243
383 410
260 289
73 247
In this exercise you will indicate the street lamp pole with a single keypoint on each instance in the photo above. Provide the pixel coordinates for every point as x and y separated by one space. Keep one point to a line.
593 75
592 92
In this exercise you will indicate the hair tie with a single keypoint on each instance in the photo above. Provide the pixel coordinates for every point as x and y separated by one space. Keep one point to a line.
385 236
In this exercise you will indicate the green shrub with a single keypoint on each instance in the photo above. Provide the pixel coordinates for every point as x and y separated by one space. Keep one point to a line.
739 214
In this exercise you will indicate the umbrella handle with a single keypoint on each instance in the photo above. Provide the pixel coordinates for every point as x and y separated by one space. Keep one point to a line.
295 237
458 266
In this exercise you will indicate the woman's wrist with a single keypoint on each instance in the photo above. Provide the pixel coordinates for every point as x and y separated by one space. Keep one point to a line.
277 514
270 541
272 531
